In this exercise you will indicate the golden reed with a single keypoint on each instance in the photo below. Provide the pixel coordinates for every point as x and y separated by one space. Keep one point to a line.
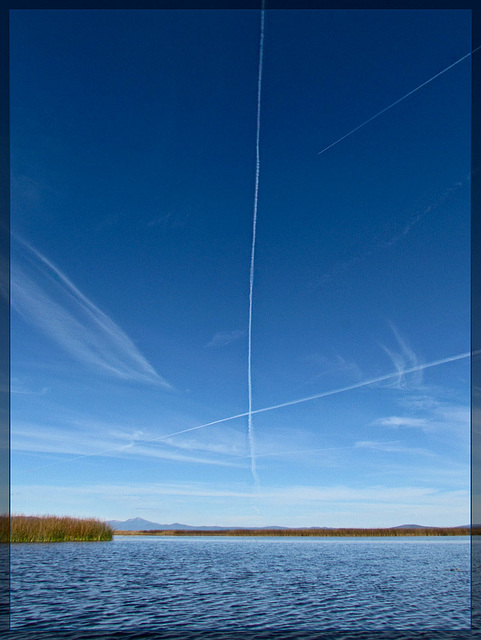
345 532
57 529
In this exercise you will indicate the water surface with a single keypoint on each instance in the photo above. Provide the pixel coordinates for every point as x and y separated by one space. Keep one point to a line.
235 583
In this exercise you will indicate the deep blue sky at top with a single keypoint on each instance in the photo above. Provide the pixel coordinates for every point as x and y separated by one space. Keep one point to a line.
135 122
133 167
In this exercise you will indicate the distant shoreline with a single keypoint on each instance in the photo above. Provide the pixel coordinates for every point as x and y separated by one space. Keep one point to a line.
325 533
67 529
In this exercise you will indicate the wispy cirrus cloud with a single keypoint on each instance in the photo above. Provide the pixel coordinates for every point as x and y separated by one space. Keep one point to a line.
289 494
393 234
402 421
29 392
45 298
161 220
324 366
393 446
404 359
172 219
442 418
20 386
223 338
233 445
339 505
103 441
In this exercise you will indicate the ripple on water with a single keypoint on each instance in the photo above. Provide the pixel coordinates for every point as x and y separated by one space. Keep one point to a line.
243 584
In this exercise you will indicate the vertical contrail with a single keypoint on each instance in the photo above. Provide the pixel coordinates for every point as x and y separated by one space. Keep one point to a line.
253 249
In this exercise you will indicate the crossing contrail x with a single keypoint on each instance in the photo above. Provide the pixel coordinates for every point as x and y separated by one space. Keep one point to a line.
399 100
324 394
253 249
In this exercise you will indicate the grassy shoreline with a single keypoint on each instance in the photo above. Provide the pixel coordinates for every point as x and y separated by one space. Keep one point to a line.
58 529
67 529
345 532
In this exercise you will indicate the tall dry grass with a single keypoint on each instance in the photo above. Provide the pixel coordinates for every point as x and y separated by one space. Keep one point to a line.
57 529
344 532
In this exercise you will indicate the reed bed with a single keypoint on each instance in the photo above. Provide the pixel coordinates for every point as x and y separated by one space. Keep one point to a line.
58 529
428 531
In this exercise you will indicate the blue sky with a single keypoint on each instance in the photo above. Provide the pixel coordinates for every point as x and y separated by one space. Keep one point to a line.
133 166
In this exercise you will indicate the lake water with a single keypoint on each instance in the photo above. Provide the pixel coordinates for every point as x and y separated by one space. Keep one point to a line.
232 583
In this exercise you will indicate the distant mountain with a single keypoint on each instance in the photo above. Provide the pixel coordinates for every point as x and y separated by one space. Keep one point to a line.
422 526
412 526
139 524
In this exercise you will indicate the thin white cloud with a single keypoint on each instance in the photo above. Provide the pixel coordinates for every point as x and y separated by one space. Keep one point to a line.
344 366
139 451
391 236
440 420
21 390
325 394
223 338
420 402
395 422
393 446
273 454
48 300
171 220
165 219
113 443
453 414
290 494
403 360
204 504
330 366
232 446
444 471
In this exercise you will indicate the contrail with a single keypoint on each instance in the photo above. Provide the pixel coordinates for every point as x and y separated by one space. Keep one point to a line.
366 383
325 394
400 100
253 249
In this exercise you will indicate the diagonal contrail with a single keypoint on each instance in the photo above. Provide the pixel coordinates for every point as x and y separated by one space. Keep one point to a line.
253 249
399 100
366 383
325 394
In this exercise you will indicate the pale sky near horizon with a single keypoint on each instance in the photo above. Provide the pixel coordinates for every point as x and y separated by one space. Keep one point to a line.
133 159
